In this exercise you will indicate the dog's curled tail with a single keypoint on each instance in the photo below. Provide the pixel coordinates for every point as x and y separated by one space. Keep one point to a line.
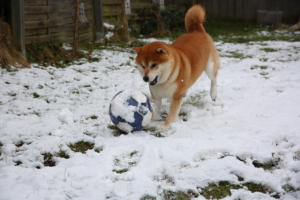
194 19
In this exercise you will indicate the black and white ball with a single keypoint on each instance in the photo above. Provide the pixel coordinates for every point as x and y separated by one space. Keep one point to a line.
130 110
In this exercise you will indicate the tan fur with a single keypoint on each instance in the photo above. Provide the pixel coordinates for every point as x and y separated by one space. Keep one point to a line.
179 65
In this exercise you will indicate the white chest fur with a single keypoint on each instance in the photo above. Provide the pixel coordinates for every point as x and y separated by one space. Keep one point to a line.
163 90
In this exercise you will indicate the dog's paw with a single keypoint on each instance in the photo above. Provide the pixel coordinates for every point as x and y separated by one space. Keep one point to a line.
164 127
213 96
213 93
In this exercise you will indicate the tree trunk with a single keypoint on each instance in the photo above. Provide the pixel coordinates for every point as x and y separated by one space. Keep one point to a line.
76 17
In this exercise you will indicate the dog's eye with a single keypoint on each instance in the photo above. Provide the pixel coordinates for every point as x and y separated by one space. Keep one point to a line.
153 65
143 66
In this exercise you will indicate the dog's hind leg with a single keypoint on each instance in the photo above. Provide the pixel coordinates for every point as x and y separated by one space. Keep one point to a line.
212 75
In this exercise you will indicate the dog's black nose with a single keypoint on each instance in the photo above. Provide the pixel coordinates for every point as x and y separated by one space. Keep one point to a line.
146 78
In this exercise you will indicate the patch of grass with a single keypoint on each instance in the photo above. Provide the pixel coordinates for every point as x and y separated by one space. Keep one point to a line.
266 165
256 187
48 160
116 46
222 189
296 155
241 159
81 146
289 188
269 50
237 55
121 171
151 129
20 143
238 31
1 145
165 177
158 134
18 162
183 116
227 27
12 94
116 130
264 74
124 162
94 117
219 190
179 195
98 149
53 53
35 95
148 197
62 154
133 153
262 67
263 59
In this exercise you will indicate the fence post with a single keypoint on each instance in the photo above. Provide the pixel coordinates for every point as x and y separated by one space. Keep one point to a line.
123 29
159 18
75 39
18 23
98 19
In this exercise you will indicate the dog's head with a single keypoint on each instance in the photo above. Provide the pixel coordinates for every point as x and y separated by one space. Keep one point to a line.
154 63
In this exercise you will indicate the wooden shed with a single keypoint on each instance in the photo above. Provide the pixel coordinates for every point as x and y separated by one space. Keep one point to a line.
35 21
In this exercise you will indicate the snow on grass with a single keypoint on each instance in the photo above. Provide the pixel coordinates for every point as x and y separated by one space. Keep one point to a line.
55 140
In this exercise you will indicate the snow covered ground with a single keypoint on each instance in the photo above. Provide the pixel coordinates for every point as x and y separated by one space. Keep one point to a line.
250 135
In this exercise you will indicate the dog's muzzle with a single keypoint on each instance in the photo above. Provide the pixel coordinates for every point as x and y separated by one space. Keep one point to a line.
154 81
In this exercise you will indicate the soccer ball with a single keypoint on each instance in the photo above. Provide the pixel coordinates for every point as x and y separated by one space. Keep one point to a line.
130 110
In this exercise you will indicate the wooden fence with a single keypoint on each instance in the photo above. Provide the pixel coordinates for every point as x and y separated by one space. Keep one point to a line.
112 8
46 20
224 9
246 9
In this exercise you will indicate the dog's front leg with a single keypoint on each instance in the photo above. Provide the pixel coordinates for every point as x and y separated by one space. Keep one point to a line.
156 109
174 110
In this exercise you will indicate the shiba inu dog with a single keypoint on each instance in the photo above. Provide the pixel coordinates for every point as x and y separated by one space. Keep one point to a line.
171 69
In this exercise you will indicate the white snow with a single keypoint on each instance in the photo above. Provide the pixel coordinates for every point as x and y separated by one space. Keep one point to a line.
256 117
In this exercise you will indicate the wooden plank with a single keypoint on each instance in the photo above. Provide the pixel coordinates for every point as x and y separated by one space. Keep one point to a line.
69 28
30 17
32 32
47 23
58 36
48 9
35 2
111 2
61 14
111 13
36 9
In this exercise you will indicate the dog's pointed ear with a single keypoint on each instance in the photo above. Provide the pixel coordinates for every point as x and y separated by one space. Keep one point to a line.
137 49
161 50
